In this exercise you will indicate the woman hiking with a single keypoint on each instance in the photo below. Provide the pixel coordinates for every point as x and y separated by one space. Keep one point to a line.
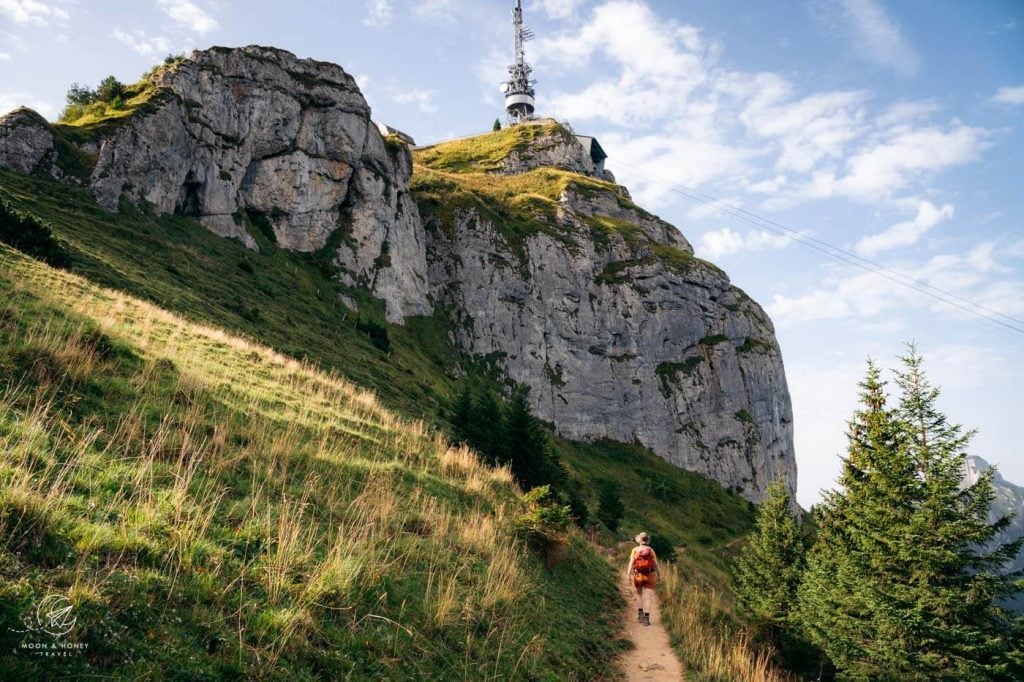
643 570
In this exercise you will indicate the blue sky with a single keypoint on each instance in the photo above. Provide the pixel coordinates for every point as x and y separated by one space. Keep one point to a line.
894 130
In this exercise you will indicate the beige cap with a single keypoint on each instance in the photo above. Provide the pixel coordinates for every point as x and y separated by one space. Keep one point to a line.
643 539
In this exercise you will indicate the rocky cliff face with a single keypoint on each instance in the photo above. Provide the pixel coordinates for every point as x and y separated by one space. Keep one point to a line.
542 264
602 310
257 130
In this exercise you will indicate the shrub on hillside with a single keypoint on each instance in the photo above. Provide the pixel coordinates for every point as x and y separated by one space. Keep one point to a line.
544 523
377 333
26 234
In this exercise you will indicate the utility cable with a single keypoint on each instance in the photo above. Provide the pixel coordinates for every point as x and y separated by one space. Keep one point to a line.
836 253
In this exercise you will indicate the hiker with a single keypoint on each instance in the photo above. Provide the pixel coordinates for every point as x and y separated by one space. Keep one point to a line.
643 570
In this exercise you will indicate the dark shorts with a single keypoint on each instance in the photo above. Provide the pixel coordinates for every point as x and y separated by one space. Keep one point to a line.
648 580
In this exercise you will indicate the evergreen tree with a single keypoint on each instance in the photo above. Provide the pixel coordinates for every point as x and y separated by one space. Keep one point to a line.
528 449
461 412
770 567
896 586
486 429
497 125
609 505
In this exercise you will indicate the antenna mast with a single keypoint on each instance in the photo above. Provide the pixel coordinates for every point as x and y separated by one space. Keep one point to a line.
519 92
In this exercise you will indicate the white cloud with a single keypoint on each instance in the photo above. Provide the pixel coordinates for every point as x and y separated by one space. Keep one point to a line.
903 112
809 129
770 186
146 45
687 157
424 99
13 100
867 296
907 232
434 11
31 12
1011 94
891 163
188 14
379 13
726 241
560 9
874 36
4 57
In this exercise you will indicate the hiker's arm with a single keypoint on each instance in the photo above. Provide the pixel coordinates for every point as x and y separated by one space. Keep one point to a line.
629 566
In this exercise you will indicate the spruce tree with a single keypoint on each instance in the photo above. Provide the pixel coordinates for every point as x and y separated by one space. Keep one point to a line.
897 586
609 505
527 444
486 429
769 569
497 125
461 414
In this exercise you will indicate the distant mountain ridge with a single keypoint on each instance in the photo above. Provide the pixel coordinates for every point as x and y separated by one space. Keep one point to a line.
1009 500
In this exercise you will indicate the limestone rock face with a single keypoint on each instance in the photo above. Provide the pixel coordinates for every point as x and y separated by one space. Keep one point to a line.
258 130
26 142
625 337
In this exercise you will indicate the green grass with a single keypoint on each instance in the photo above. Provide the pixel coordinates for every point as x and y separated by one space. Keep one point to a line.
283 300
687 510
214 509
485 153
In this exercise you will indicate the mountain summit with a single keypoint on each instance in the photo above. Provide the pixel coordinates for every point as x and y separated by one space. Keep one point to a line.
519 238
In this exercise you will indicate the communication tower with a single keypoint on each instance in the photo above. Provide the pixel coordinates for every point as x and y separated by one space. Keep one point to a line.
519 92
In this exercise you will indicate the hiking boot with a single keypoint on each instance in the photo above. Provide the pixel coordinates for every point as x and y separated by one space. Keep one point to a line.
639 615
647 619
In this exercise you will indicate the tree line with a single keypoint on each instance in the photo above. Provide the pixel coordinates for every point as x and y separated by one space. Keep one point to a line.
900 578
507 433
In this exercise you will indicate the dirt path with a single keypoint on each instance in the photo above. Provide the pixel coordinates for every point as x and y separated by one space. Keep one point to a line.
652 659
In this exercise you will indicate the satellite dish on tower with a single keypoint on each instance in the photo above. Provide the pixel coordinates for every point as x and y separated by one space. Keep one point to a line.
504 87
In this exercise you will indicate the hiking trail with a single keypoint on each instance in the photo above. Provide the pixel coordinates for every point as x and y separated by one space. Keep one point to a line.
652 658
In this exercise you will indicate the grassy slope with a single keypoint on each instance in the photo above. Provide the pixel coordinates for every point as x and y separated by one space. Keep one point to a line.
215 509
288 302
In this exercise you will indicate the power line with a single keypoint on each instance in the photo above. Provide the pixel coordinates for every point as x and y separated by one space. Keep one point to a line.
836 253
765 222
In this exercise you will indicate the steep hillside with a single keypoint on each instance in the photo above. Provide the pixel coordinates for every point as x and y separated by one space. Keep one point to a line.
212 508
514 242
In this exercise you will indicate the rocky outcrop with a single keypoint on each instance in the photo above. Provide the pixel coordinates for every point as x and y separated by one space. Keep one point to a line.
596 305
229 135
553 147
26 142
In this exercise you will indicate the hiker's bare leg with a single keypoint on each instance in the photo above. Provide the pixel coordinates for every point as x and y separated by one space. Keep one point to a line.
640 597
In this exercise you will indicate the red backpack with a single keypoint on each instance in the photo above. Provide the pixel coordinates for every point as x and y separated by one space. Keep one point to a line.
643 562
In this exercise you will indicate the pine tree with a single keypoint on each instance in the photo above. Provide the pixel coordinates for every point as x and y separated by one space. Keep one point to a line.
770 567
486 429
528 450
896 586
461 412
609 505
497 125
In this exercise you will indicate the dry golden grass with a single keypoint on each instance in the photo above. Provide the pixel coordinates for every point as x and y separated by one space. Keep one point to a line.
341 495
698 618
